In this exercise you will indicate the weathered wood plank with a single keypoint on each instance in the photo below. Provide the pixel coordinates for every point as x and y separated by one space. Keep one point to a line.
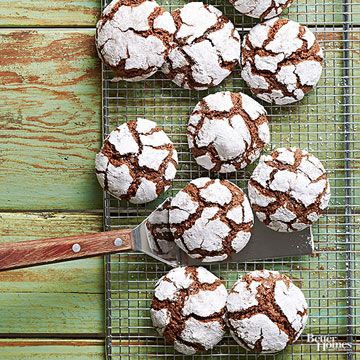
59 298
84 12
50 124
20 226
71 13
79 276
43 349
52 313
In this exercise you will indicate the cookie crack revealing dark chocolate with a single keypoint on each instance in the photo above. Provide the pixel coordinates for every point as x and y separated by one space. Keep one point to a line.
160 231
298 156
305 205
252 149
270 76
284 198
255 9
138 172
157 175
238 199
266 305
154 50
109 16
174 328
185 75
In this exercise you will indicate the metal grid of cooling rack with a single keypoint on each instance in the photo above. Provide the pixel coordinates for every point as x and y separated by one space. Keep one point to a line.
325 124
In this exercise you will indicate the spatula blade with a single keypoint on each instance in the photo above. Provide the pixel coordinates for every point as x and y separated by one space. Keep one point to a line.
145 241
264 243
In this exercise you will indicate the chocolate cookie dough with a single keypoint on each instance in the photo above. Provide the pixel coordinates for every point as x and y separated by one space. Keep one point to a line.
227 131
211 219
265 311
133 38
263 9
161 240
188 309
206 50
137 162
281 61
289 189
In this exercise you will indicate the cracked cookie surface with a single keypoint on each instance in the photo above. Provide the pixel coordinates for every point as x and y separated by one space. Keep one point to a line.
281 61
211 219
137 162
206 50
265 311
262 9
188 309
133 38
289 189
161 240
227 131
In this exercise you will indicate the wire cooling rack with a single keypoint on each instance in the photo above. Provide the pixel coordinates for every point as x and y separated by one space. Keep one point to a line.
324 122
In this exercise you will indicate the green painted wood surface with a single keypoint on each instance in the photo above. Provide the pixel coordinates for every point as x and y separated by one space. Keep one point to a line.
64 298
71 13
50 127
44 349
52 313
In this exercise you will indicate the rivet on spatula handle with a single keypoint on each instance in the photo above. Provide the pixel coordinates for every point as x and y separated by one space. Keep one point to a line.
30 253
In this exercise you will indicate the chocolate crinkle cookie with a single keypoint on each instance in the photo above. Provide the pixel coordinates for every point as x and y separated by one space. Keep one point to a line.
206 50
211 219
265 311
281 61
289 189
188 309
133 38
161 240
227 131
262 9
137 162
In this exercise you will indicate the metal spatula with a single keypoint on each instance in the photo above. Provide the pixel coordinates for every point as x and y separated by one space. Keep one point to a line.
264 244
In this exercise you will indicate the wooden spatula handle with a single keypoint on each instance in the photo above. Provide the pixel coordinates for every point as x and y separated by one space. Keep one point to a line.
30 253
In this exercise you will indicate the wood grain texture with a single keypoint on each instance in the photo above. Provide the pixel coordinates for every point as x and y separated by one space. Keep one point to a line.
45 251
50 124
52 299
43 349
73 13
70 13
52 313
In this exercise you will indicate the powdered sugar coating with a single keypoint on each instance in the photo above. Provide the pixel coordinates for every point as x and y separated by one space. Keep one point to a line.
266 311
281 60
192 315
134 162
210 219
227 131
289 189
206 50
133 38
263 9
160 237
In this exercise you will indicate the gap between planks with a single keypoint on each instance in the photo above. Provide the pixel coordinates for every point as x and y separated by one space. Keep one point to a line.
95 338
